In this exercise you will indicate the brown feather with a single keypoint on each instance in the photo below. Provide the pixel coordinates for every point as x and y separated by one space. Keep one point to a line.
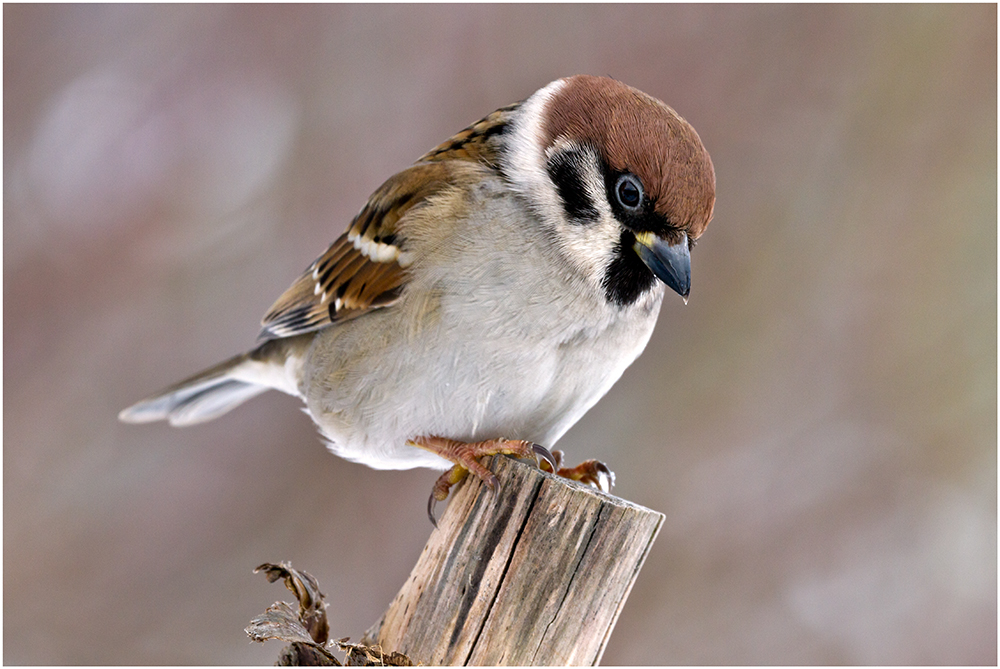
365 267
478 143
640 134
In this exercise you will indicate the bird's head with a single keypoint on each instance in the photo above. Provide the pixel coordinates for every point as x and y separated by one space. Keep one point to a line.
620 179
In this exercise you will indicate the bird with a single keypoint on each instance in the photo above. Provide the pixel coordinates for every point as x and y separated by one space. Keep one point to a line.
486 297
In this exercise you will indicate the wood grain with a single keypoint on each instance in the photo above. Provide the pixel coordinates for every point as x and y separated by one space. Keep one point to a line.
534 575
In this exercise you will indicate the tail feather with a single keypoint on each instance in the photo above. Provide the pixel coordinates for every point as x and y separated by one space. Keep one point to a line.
218 390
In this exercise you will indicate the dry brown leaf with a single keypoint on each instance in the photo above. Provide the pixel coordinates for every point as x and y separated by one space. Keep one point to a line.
312 602
307 629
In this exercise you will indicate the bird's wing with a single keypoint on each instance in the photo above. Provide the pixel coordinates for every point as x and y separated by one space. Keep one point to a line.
365 268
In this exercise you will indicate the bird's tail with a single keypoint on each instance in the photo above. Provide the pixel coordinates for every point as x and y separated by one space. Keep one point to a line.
213 392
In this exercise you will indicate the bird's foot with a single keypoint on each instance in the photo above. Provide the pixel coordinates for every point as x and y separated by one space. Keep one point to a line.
466 458
590 472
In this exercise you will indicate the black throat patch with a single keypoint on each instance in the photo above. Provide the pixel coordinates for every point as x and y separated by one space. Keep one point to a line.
626 277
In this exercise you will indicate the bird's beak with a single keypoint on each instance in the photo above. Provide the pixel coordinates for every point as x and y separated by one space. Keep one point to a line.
670 262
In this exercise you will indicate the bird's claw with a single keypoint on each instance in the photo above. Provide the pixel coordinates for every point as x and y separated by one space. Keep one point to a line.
605 477
589 472
466 458
547 457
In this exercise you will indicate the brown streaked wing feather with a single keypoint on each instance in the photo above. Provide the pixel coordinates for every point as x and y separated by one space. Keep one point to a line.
352 284
480 142
363 269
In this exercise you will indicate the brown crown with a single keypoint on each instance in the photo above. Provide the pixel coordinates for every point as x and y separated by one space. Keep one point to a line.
639 134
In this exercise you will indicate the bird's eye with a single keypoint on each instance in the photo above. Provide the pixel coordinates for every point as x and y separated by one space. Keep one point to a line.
629 191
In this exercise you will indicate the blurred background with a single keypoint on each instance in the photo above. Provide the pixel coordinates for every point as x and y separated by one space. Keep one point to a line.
818 425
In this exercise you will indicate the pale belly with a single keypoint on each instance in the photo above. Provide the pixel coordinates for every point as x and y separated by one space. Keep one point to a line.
479 388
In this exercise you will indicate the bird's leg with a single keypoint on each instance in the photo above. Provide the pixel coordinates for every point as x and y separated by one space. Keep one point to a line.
590 472
466 458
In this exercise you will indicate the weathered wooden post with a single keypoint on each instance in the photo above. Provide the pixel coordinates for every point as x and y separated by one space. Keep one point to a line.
534 575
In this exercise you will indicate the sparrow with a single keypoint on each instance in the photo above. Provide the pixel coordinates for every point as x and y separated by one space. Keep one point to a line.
489 295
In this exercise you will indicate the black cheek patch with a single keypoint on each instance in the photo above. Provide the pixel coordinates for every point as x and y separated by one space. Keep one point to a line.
566 171
626 277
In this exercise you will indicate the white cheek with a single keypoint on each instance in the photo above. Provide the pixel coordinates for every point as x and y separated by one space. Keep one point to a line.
587 247
525 159
591 248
